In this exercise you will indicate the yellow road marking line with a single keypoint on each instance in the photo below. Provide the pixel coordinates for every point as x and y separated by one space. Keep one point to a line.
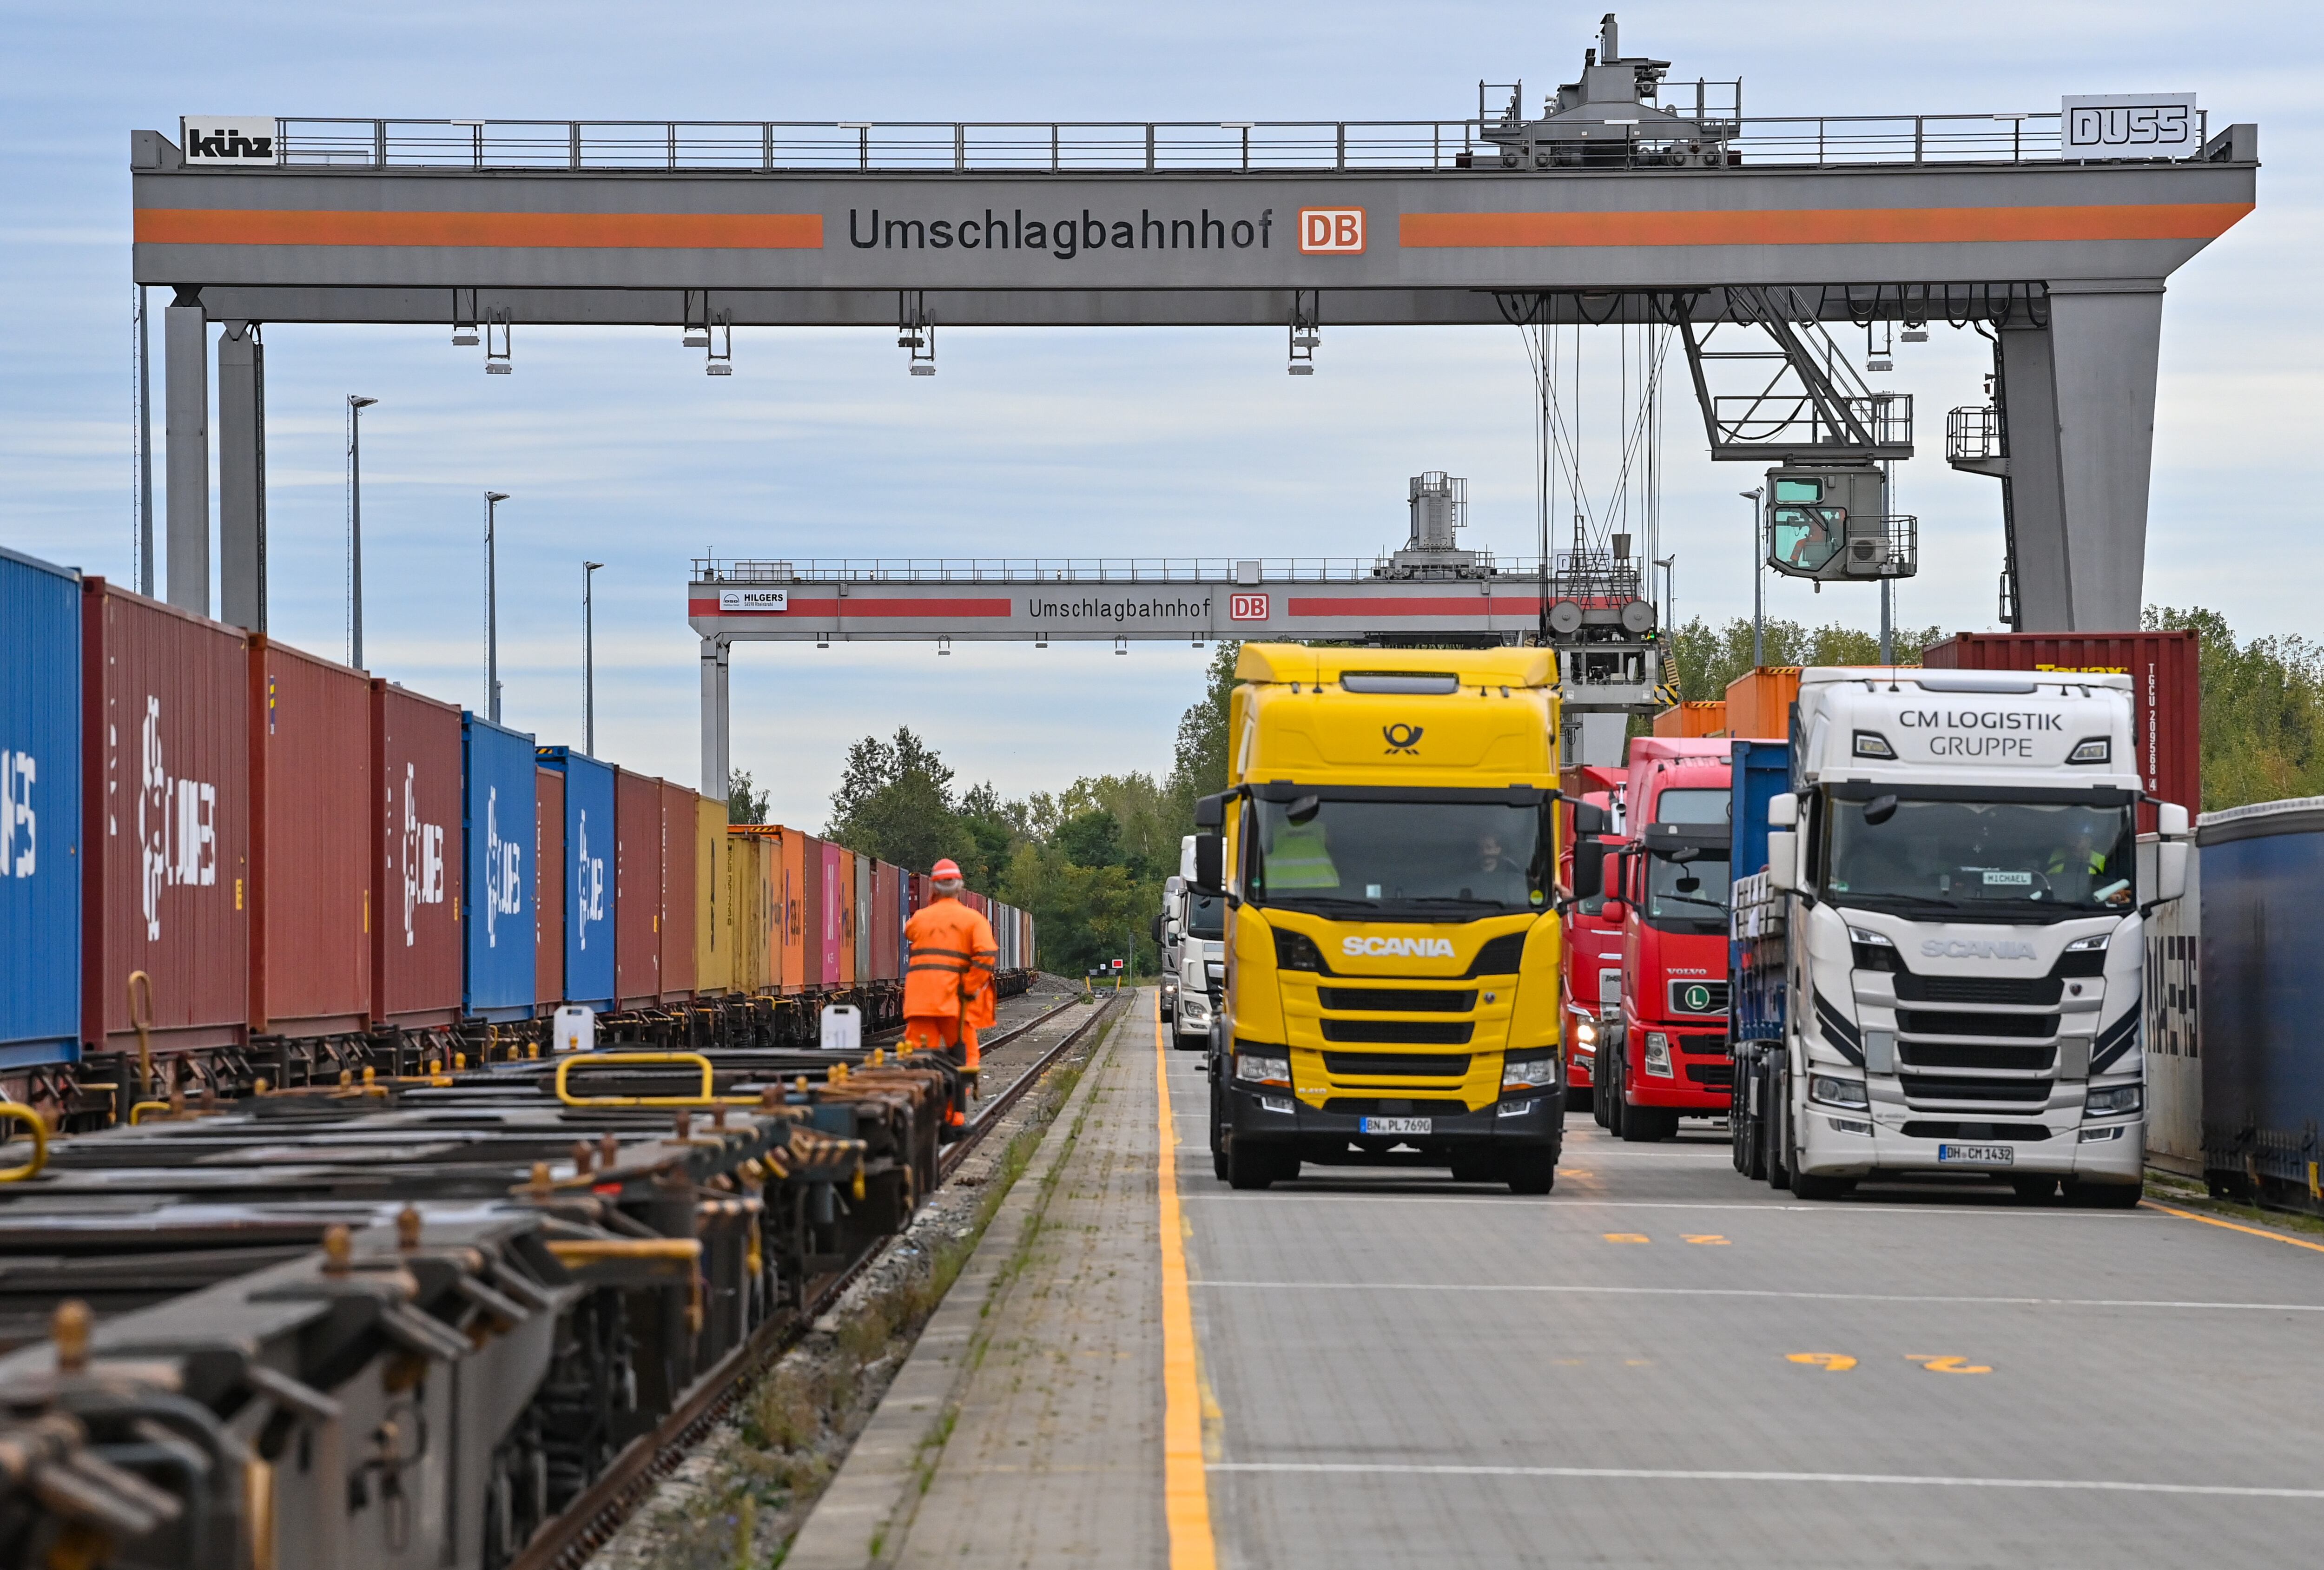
2238 1226
1829 1362
1185 1485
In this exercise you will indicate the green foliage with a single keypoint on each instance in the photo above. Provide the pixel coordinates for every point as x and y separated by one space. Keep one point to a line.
1709 657
2263 705
745 803
895 802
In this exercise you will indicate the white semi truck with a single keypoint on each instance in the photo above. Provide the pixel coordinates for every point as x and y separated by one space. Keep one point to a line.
1936 966
1196 922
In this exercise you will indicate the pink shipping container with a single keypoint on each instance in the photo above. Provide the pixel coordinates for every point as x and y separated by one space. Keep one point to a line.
637 891
166 815
2166 723
833 913
548 888
680 823
415 927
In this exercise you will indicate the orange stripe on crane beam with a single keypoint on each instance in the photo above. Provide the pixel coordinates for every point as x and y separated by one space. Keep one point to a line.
578 231
1824 226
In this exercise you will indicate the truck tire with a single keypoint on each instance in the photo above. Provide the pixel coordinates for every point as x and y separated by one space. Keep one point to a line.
1617 1105
1775 1138
1532 1171
1254 1166
2105 1196
1816 1186
1218 1133
1646 1125
1182 1043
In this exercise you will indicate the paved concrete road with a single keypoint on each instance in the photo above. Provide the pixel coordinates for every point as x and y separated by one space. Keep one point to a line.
1662 1363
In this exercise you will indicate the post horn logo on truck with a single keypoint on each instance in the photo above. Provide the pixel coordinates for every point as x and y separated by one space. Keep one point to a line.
1402 738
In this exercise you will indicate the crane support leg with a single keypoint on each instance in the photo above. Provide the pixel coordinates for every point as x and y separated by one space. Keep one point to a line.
242 476
186 425
714 653
2079 392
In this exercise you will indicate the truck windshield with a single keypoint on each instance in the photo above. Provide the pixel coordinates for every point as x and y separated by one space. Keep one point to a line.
2024 857
1687 896
1451 861
1206 916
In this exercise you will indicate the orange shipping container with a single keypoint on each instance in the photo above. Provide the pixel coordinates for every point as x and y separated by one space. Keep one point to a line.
1759 702
1699 718
791 895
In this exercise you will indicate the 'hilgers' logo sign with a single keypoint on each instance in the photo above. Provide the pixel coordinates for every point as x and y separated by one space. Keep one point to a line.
229 138
1330 231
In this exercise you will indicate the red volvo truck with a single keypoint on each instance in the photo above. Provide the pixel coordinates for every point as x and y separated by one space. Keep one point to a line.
1670 899
1591 982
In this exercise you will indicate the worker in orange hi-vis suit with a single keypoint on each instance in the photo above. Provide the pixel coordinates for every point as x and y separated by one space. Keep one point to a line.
948 980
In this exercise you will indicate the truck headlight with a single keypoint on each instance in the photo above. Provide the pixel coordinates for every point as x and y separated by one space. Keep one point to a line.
1586 1033
1528 1072
1658 1062
1834 1090
2113 1101
1263 1070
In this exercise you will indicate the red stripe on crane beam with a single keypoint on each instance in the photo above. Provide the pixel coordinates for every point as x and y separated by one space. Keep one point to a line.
1824 226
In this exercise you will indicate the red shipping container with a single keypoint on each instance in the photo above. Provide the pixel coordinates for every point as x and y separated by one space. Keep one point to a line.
310 919
166 815
637 891
884 919
2166 724
548 886
415 953
810 896
681 825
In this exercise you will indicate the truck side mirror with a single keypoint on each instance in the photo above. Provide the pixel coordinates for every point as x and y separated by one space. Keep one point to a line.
1210 861
1783 860
1783 812
1210 812
2170 819
1157 931
1589 869
1588 817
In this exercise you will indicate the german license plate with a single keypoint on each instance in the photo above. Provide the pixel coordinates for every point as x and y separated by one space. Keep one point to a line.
1398 1125
1977 1155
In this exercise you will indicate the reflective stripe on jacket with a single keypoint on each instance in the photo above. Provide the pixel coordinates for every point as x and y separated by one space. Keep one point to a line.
948 972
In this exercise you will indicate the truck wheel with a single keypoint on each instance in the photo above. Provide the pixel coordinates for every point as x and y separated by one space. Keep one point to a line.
1179 1043
1218 1134
2105 1196
1816 1186
1254 1167
1532 1171
1774 1141
1645 1125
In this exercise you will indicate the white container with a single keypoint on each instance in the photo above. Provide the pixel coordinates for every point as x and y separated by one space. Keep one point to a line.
842 1029
576 1029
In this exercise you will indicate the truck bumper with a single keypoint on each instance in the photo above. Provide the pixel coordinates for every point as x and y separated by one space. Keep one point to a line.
2110 1151
1536 1120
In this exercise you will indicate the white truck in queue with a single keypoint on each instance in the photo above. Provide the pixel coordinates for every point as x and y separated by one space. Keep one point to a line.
1196 923
1938 968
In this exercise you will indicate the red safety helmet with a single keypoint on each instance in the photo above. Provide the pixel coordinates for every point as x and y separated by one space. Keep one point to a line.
946 871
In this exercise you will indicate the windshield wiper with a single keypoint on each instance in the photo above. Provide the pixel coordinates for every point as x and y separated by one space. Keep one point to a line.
1846 896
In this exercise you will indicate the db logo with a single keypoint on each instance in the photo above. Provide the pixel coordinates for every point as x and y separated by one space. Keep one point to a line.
1246 607
1332 231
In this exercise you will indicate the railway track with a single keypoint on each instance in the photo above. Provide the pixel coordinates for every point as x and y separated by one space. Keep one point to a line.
568 1541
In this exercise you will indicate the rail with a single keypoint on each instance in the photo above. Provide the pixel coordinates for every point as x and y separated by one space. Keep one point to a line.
584 1526
713 570
307 142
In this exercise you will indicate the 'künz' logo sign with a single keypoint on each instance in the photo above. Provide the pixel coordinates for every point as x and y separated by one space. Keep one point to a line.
229 139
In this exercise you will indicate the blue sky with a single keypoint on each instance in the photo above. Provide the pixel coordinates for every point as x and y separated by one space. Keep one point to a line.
614 446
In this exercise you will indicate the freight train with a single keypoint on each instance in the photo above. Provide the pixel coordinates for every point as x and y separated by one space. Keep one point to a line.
224 859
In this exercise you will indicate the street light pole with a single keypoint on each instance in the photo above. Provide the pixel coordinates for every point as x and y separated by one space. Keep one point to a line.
356 404
588 658
1759 585
492 499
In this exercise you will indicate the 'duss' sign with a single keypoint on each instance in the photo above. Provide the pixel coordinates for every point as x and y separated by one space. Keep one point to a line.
2128 126
229 139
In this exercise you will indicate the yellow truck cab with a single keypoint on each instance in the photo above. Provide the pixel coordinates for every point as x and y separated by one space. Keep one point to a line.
1387 846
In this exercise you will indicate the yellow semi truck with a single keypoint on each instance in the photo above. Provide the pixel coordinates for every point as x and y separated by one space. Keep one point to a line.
1386 845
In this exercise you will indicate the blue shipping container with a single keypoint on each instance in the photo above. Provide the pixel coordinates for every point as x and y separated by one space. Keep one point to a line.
40 812
1761 771
588 883
2262 910
497 800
